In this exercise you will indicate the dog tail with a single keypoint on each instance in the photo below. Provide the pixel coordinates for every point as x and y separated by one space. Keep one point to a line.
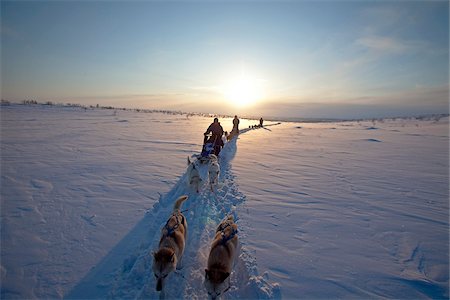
179 201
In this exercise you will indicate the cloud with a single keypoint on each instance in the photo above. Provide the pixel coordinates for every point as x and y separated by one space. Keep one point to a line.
381 44
415 101
420 96
391 45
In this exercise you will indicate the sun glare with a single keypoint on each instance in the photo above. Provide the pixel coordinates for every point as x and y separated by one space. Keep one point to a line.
243 91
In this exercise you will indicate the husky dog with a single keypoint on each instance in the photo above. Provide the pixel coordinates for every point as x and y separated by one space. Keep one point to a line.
231 135
193 175
171 245
224 250
213 171
225 138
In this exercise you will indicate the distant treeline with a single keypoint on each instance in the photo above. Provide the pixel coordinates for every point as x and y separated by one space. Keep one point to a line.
86 107
435 117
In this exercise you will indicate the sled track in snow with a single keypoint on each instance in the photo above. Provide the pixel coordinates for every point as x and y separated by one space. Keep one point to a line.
204 212
126 272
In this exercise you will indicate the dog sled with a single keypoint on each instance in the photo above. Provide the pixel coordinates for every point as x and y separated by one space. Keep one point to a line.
209 147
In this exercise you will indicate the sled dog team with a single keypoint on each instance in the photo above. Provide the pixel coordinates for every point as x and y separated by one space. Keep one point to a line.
223 252
224 247
173 239
193 176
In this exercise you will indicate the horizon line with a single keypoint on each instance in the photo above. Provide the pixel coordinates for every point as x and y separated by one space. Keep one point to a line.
5 102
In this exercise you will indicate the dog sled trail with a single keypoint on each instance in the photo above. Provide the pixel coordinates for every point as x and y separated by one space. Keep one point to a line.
245 280
203 212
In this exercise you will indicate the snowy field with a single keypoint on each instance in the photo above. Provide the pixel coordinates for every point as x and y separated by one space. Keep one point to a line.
325 210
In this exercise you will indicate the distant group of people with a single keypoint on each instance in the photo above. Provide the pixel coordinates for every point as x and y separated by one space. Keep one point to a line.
259 125
215 137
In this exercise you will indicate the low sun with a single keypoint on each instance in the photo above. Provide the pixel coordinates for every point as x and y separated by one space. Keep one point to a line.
243 90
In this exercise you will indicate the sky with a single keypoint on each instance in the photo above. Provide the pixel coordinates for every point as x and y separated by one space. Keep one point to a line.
293 59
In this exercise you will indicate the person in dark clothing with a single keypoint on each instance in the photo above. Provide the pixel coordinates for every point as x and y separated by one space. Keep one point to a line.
216 131
236 125
261 122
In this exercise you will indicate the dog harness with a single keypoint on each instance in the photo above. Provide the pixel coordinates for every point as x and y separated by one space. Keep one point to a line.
171 230
225 238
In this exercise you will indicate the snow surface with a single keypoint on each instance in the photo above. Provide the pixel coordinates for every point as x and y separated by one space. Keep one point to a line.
325 210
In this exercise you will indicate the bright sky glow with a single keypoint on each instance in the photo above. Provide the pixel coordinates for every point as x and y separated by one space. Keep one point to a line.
302 58
243 90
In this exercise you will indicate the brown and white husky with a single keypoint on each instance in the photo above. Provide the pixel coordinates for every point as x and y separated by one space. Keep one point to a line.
224 250
171 245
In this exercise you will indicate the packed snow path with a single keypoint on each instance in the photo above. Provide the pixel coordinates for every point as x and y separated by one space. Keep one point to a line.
126 272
